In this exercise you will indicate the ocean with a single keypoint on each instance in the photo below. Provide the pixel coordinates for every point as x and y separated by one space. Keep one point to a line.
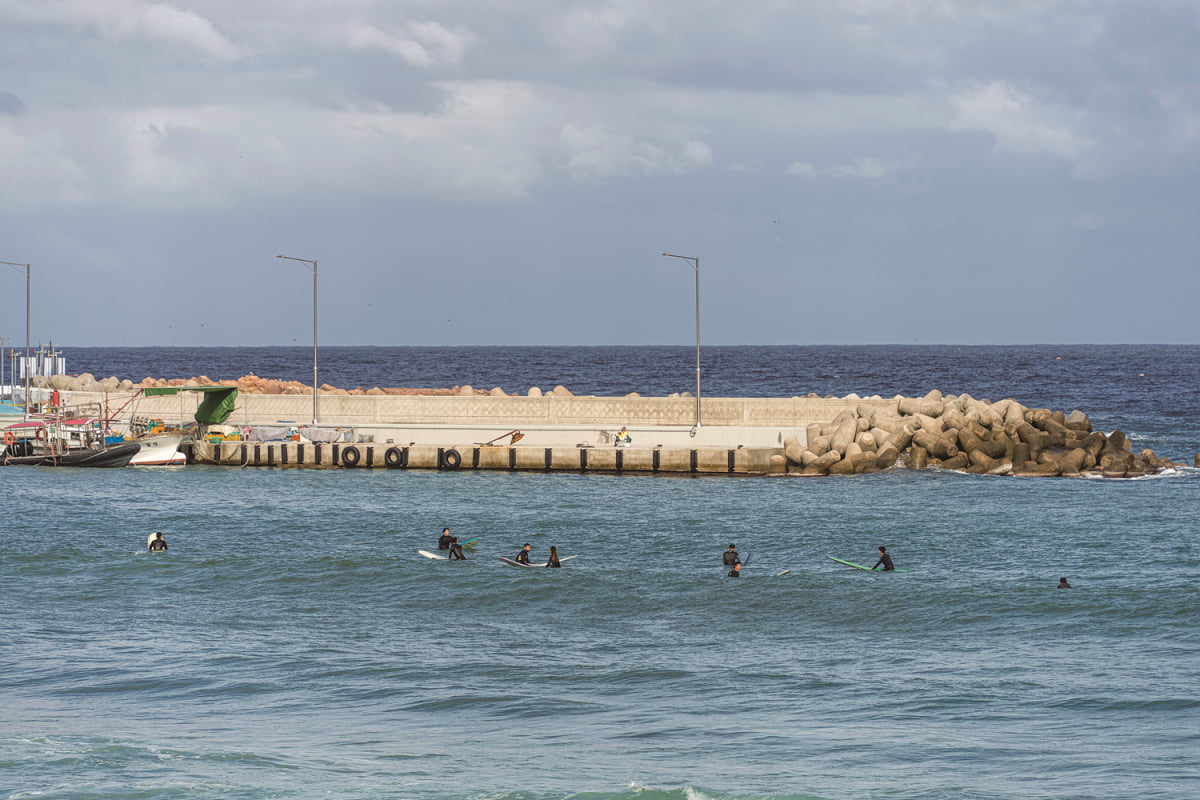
292 643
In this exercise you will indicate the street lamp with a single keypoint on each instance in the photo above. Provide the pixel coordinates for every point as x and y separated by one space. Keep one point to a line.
695 262
313 266
28 355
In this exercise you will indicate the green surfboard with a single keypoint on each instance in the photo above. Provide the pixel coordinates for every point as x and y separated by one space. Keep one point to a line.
860 566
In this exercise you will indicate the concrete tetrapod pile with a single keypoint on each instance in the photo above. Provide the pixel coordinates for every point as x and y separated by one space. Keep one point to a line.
961 433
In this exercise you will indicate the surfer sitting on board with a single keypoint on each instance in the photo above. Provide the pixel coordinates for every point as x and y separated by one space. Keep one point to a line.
730 557
553 561
1062 583
523 556
445 540
884 559
736 572
456 553
158 542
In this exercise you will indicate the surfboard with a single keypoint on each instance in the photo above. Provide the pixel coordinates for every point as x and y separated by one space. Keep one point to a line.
534 564
860 566
785 572
434 556
470 542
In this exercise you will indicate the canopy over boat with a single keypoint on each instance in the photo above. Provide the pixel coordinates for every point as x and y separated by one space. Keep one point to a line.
215 408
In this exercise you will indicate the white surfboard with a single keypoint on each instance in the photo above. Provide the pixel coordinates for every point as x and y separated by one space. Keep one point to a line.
434 556
533 564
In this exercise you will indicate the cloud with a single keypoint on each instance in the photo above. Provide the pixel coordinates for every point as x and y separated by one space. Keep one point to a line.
10 103
597 152
864 168
1021 123
422 44
127 20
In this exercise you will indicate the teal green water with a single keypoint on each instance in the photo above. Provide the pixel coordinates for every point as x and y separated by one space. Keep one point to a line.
293 644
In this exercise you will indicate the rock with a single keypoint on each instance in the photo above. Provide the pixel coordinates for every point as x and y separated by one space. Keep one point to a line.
887 457
937 446
467 390
536 392
847 429
956 462
820 445
777 464
866 442
793 450
631 394
497 392
918 458
843 467
376 392
813 432
59 382
562 391
126 385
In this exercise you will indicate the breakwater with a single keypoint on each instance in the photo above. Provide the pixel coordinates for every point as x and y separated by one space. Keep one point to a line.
808 436
961 433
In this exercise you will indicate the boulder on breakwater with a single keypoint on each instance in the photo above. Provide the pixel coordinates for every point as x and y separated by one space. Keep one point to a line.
961 433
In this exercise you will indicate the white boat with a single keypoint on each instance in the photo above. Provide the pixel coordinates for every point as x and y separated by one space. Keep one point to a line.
159 449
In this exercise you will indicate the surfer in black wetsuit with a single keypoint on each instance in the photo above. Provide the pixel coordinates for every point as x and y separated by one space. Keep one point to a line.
553 561
446 540
523 556
884 559
1062 584
456 553
158 542
736 572
730 557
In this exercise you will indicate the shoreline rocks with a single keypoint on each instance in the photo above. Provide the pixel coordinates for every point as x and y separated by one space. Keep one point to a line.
964 434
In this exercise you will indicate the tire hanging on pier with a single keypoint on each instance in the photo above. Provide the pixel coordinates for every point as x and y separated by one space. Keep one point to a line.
350 456
451 459
394 457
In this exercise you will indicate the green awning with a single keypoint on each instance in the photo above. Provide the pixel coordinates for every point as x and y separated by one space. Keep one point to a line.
215 408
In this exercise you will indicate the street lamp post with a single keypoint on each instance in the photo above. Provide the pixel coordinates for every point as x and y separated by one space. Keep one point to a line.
695 262
312 264
28 361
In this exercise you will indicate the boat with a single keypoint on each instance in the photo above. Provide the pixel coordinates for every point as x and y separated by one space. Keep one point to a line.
159 449
64 442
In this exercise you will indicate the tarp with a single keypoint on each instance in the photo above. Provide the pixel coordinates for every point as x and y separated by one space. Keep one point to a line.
215 408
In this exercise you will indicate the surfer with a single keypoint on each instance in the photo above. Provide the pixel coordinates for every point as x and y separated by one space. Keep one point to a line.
158 542
736 572
523 556
884 559
1062 584
456 553
445 540
730 556
553 561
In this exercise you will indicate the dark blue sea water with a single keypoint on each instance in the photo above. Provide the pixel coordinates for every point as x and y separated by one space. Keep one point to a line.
293 644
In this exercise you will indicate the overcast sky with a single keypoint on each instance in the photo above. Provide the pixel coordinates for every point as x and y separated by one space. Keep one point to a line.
480 172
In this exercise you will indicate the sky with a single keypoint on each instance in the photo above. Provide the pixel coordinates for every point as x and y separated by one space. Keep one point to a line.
481 172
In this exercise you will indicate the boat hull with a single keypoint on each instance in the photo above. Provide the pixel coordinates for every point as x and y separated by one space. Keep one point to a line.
117 455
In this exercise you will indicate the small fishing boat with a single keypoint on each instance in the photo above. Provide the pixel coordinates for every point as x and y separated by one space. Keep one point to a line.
64 440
